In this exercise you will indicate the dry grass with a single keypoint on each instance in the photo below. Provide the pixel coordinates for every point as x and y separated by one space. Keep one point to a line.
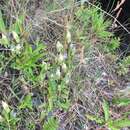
93 78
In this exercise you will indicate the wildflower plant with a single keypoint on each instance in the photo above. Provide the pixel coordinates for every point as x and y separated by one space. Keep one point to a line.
36 77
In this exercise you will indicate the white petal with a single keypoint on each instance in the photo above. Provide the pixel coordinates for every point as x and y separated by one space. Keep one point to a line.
5 106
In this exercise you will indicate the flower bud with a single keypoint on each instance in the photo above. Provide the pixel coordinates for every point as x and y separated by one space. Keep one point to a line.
16 37
18 47
67 77
45 65
68 36
52 75
60 58
4 40
6 107
59 46
64 67
58 73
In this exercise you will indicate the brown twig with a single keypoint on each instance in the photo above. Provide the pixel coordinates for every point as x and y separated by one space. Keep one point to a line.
117 15
119 5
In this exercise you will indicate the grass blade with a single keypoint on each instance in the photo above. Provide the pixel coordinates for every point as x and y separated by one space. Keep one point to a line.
106 110
2 24
121 123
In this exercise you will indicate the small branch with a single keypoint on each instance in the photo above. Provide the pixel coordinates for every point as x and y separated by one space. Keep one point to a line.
119 5
117 15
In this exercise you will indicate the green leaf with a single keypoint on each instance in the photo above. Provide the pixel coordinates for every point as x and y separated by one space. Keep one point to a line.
18 25
6 107
111 125
2 24
26 102
51 124
126 62
113 128
64 105
106 110
95 118
114 44
121 123
4 40
121 101
52 93
15 36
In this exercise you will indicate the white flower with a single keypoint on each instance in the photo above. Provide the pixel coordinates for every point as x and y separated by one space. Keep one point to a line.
45 65
6 106
67 77
58 73
12 48
86 127
73 48
65 55
59 88
4 40
16 37
60 58
59 46
18 47
4 36
13 113
68 36
64 67
52 75
67 80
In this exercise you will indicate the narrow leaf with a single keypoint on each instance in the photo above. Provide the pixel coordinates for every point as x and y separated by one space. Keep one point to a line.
27 102
121 123
121 101
51 124
106 110
18 25
2 24
95 118
4 40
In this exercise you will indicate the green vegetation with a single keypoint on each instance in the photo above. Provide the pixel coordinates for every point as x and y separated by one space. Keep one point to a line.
107 121
56 79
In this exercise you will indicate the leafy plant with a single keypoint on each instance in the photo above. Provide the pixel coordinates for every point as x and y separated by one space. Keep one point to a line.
16 29
52 94
92 18
107 121
106 110
8 119
28 61
48 73
18 26
99 25
91 29
122 98
26 102
124 66
2 24
58 90
51 124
